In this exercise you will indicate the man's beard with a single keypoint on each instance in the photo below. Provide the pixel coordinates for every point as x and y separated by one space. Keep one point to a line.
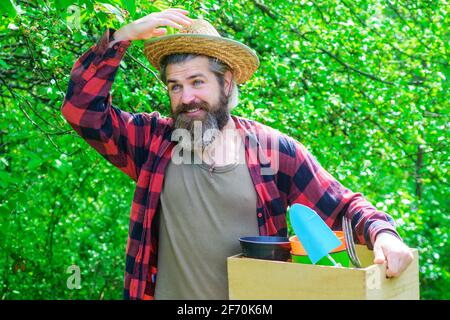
201 132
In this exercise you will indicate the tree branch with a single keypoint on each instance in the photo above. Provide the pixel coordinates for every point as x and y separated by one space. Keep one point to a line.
45 133
276 17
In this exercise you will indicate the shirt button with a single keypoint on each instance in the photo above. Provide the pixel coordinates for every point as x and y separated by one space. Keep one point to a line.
260 215
121 49
92 69
115 46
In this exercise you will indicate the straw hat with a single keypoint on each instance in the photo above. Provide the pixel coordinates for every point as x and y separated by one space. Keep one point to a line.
202 38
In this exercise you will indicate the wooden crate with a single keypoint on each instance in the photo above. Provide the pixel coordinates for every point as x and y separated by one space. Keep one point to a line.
255 279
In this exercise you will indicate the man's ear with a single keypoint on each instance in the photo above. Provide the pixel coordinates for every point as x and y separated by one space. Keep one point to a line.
228 78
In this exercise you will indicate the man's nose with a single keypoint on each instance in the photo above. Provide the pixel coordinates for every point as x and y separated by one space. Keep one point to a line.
187 96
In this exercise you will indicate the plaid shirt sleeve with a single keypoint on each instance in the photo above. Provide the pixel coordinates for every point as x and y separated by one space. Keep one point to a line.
313 186
120 137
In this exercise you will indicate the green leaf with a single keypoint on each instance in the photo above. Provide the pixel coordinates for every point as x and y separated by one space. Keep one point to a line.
34 163
3 64
89 5
6 179
115 11
161 5
64 4
8 7
130 5
102 17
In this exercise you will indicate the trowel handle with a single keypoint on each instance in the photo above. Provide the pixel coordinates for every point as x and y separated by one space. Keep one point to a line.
333 261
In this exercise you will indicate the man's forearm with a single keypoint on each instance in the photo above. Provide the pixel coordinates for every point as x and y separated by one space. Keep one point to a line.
368 222
90 82
87 106
313 186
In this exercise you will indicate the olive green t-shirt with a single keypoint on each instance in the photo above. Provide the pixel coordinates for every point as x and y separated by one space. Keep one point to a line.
203 214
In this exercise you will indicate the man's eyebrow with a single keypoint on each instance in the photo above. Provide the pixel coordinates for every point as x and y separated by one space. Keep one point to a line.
197 75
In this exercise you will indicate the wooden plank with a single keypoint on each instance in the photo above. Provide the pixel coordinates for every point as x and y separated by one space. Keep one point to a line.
264 279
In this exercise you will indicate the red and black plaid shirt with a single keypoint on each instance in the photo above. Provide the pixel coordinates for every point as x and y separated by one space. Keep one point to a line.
282 170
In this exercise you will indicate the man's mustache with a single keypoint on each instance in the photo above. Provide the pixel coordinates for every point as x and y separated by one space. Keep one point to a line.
193 105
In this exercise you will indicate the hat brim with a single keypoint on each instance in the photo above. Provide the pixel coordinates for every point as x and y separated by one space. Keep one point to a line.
241 59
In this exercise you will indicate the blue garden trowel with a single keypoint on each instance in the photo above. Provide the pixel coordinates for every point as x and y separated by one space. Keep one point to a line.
314 234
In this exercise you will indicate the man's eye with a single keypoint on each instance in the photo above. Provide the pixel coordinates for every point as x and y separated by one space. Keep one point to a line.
198 82
175 87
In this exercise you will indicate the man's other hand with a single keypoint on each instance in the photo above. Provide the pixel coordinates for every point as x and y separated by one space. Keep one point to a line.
388 248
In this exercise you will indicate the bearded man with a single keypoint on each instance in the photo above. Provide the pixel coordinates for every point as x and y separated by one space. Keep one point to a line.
204 178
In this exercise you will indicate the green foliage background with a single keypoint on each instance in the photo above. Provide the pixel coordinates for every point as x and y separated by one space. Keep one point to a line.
363 84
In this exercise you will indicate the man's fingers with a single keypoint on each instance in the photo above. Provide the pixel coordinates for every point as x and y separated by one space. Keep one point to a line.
183 13
379 255
397 263
177 18
393 266
176 10
159 32
169 23
152 24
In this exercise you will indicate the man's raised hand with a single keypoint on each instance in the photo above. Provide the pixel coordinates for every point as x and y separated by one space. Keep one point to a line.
152 25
